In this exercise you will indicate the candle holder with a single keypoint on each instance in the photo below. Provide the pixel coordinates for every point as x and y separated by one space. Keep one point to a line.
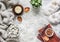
17 9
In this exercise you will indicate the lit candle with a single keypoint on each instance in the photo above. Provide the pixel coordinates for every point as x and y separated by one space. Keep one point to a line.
17 9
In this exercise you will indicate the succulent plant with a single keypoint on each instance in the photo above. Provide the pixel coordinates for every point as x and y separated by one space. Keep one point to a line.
36 3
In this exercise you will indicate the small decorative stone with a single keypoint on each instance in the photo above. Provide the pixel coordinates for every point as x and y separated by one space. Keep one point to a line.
26 9
19 18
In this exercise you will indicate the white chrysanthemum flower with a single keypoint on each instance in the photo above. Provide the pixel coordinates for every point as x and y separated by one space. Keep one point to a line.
13 31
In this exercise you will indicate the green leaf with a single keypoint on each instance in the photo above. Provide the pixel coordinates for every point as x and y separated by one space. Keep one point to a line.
36 3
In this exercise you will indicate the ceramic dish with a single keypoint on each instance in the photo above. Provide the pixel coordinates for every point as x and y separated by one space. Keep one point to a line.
49 32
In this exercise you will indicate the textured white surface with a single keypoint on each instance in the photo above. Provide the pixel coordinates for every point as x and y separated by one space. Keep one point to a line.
32 21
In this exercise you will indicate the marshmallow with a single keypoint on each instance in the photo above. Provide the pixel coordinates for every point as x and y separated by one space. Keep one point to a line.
54 18
51 7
